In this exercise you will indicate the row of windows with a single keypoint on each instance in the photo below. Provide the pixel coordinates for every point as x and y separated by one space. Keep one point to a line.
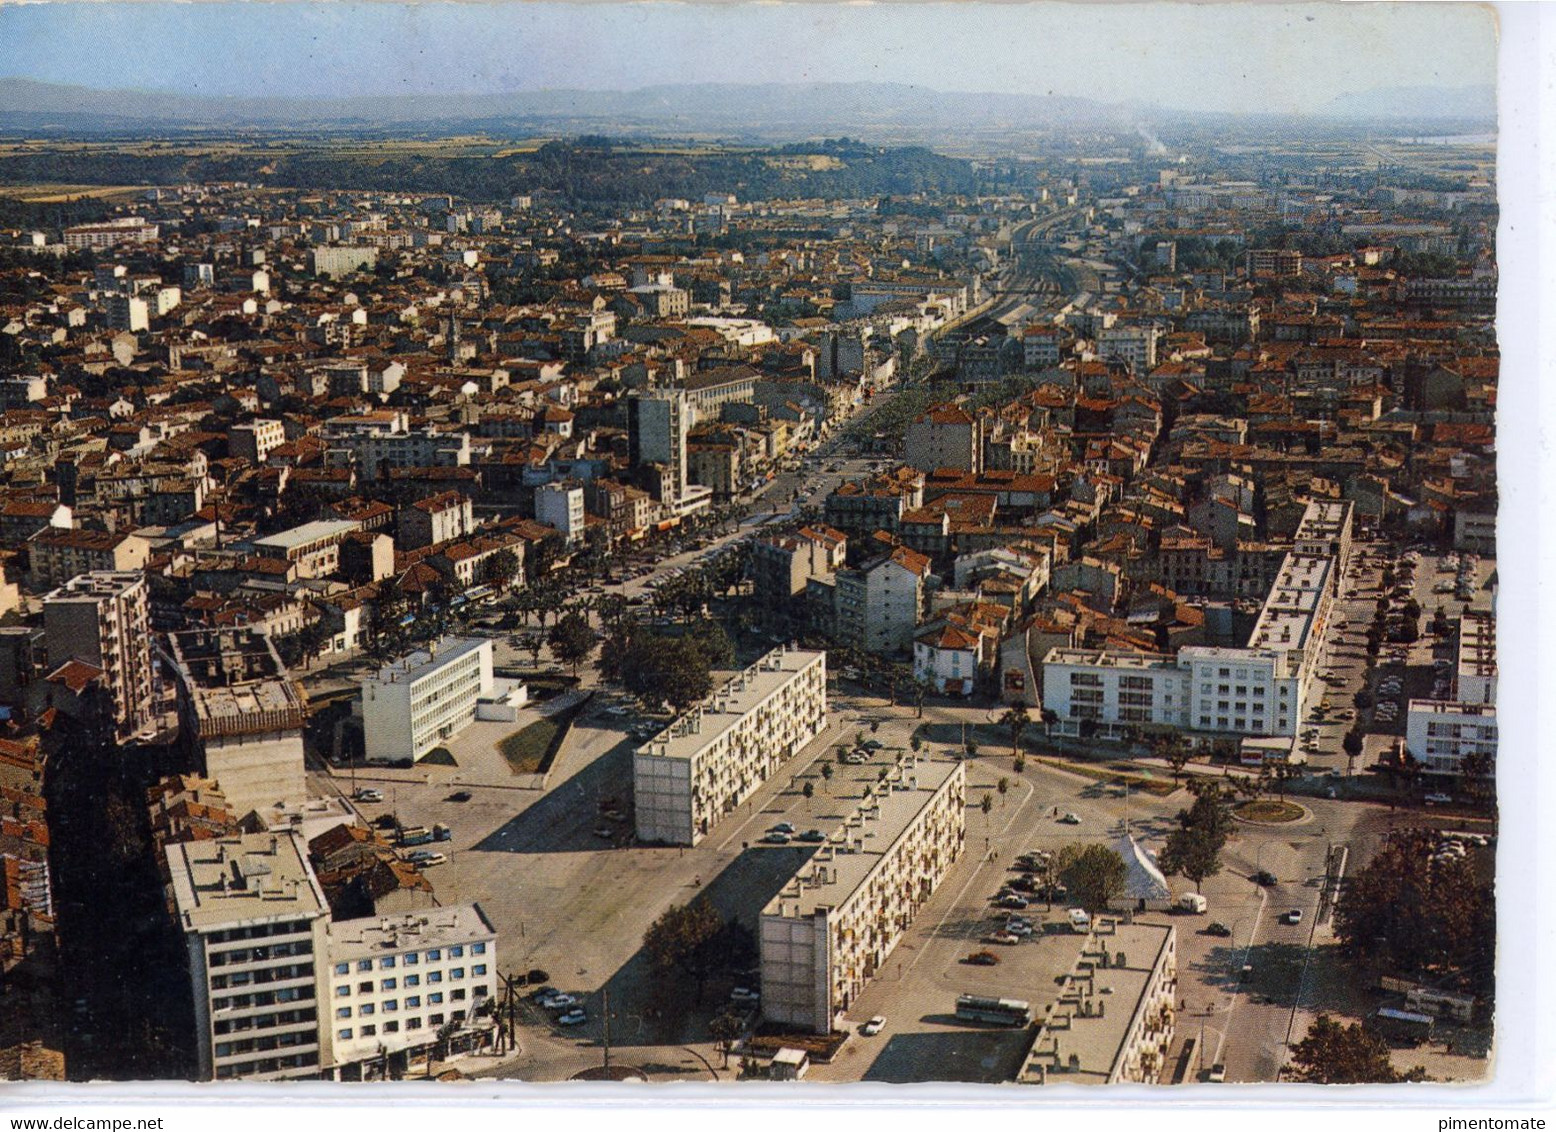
344 990
262 976
262 1044
259 954
412 1002
265 1021
263 998
411 958
346 1033
258 931
267 1065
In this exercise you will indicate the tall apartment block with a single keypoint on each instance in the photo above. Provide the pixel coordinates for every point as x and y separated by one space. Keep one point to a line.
657 425
833 926
714 756
102 619
253 917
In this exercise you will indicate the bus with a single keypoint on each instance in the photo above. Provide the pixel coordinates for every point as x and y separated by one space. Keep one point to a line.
1000 1011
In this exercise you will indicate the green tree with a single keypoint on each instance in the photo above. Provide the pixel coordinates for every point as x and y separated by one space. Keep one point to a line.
692 940
1353 744
1415 912
1193 850
1174 750
986 804
1003 786
809 790
725 1028
1018 720
826 776
1094 874
500 568
572 639
1334 1054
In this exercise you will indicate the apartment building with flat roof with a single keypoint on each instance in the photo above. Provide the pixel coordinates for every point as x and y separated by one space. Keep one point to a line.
712 757
253 919
835 923
1442 735
415 703
102 621
1112 1018
395 982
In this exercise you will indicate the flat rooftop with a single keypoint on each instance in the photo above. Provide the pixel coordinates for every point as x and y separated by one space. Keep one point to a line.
1477 645
248 878
866 837
1453 707
1109 658
436 927
424 662
696 729
1286 620
320 530
1070 1022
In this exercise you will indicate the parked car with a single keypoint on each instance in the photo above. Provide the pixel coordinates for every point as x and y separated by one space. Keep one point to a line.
557 1000
368 795
1265 878
983 959
783 827
873 1026
744 994
776 838
1013 901
1217 1072
1218 929
1019 928
460 796
1070 819
426 858
573 1018
1294 916
1439 799
811 835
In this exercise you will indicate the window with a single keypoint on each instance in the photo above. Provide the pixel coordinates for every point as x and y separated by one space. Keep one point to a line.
478 949
369 1031
386 984
364 964
343 992
435 999
412 1001
390 1005
342 968
458 995
434 955
413 980
457 952
435 1020
391 1027
479 992
411 960
386 962
345 1011
457 973
364 988
478 969
434 976
413 1023
344 1035
366 1009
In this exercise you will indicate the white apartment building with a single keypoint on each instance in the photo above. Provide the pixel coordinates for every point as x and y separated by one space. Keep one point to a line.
833 926
1133 344
711 758
254 440
253 918
561 505
1442 734
1112 1020
103 619
412 705
1256 690
395 982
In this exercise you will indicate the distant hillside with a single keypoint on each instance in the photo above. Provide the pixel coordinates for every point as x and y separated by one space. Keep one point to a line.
587 172
770 110
1470 103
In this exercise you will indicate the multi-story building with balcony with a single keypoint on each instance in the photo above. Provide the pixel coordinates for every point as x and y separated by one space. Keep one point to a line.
1442 735
102 620
712 757
834 925
1113 1018
253 919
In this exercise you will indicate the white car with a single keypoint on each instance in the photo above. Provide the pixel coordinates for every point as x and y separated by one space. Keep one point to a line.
367 795
873 1026
573 1018
744 994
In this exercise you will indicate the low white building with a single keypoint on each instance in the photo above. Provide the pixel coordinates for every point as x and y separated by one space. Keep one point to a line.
423 699
1442 734
833 926
396 982
712 757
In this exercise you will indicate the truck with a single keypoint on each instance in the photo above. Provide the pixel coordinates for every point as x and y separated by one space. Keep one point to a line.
1402 1025
1192 902
415 835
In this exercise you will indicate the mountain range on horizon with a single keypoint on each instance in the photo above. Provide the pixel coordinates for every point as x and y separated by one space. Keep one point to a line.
797 110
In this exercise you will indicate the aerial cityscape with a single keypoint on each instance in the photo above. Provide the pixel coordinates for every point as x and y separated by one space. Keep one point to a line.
745 575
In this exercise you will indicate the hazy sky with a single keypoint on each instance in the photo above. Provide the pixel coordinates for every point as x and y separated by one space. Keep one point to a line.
1216 56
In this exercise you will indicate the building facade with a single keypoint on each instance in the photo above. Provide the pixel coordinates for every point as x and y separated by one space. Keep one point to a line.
833 926
711 758
103 619
412 705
